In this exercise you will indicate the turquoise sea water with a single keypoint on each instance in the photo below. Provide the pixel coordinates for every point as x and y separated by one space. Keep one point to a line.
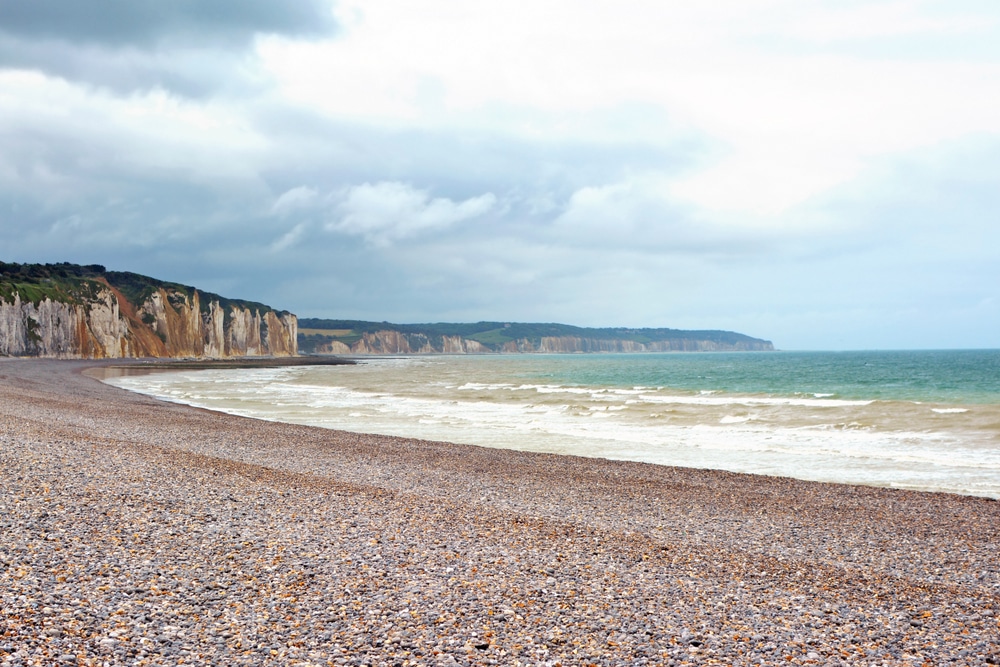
962 376
923 420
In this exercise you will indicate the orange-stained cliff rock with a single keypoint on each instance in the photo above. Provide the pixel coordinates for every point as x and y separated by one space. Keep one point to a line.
167 324
395 342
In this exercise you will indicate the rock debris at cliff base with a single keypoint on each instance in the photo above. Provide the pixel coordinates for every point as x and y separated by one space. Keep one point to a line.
139 532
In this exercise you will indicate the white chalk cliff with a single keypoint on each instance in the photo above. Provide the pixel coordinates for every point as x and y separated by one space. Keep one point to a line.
168 323
396 342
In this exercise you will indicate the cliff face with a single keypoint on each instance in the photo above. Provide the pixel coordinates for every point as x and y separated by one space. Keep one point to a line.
187 327
96 320
395 342
326 336
53 329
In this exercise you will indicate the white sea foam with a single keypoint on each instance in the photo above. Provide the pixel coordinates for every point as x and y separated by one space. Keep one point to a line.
478 386
776 435
556 389
737 419
702 399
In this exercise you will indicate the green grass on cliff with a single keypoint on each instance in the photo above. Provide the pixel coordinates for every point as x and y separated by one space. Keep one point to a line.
34 283
78 284
494 335
138 288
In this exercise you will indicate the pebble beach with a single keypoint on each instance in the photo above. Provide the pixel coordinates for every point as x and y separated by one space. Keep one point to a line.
139 532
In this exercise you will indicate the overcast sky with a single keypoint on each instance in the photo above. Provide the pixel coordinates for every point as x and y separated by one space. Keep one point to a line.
825 175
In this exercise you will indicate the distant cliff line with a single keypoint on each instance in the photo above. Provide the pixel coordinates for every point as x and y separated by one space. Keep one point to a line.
71 311
354 337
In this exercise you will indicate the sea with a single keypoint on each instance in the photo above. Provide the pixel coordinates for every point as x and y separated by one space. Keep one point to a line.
924 420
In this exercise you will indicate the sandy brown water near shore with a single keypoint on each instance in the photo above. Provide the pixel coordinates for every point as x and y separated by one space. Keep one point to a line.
137 531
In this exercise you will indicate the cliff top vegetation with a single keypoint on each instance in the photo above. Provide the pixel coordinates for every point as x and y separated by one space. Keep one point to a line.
494 334
75 283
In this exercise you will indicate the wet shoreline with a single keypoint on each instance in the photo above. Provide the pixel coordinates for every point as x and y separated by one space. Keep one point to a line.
143 532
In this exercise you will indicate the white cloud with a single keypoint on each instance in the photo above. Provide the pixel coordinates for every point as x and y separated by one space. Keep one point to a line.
841 22
211 142
290 238
293 200
786 91
389 211
754 164
638 215
609 215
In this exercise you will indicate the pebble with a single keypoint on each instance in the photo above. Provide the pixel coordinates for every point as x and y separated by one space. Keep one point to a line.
136 532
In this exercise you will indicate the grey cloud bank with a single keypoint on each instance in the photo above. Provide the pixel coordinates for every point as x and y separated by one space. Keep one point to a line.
189 47
288 153
148 24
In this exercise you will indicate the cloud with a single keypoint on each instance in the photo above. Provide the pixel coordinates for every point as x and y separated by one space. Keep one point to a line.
290 238
193 48
793 110
99 155
147 24
293 200
847 23
387 212
639 215
190 72
789 169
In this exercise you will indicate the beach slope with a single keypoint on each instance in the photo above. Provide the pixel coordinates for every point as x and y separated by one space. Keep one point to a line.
141 532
